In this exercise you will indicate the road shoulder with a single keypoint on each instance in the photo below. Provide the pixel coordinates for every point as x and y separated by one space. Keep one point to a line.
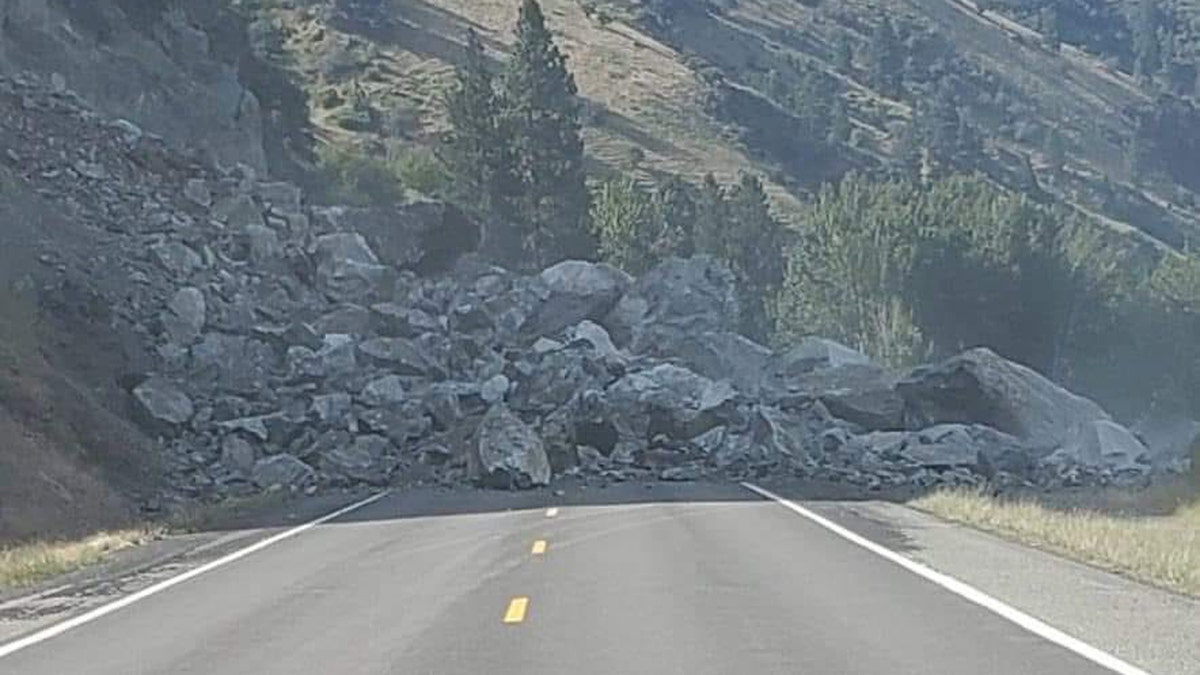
1146 626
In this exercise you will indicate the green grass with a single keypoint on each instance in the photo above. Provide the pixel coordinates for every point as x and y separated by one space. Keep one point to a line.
1150 535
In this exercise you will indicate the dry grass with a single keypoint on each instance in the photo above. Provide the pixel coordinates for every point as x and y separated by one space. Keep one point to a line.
26 564
1152 535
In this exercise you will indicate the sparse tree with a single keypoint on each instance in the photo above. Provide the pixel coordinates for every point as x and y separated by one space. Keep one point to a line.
1145 40
1048 23
758 256
843 54
839 127
541 119
711 233
473 149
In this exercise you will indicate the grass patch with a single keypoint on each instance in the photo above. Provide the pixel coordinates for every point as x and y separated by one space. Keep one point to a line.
26 564
1151 535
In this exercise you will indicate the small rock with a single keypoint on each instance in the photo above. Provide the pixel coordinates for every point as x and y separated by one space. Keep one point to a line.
197 192
281 470
495 389
164 401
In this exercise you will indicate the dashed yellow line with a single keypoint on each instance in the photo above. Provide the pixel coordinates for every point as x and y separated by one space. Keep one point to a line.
516 610
539 547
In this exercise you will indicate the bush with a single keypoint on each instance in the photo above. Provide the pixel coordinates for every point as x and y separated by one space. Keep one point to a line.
359 179
421 170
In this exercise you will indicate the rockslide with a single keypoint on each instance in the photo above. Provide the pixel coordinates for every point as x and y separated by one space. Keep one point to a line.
301 346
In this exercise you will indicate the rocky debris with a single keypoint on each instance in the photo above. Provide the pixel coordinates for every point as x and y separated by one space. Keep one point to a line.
508 452
336 351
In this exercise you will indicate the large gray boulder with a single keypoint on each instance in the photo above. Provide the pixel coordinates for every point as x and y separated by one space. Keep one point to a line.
810 354
163 402
863 394
508 453
719 355
979 386
668 399
423 236
281 470
347 268
678 297
361 461
576 290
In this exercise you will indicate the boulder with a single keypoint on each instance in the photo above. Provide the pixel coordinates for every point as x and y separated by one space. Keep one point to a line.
185 316
281 470
576 290
347 319
979 386
667 399
494 389
177 258
423 236
347 268
808 355
163 402
594 335
402 356
237 454
383 391
508 453
232 362
718 355
361 461
331 408
679 296
862 394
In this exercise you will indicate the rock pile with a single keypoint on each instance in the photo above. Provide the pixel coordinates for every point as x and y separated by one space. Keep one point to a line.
302 346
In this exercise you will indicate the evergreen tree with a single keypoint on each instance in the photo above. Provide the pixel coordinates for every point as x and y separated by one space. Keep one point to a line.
473 149
675 206
1145 39
886 62
757 254
711 235
540 118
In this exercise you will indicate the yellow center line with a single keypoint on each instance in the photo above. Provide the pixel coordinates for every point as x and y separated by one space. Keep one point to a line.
539 547
516 610
551 512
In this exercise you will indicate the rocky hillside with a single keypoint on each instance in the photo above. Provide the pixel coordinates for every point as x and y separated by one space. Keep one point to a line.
265 342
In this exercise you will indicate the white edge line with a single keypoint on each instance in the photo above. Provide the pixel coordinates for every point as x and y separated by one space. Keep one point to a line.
959 588
104 610
552 512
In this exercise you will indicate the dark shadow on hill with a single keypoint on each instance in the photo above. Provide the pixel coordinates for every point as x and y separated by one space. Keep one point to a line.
420 28
610 120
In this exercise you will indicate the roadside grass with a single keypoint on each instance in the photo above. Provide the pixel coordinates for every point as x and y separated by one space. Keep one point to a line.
1151 535
26 564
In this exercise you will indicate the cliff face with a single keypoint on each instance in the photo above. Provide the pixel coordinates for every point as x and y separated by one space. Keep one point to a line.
169 70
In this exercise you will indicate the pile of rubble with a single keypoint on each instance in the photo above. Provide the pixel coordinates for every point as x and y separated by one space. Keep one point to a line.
302 346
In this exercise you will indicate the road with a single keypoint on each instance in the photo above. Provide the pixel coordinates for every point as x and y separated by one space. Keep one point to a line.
690 579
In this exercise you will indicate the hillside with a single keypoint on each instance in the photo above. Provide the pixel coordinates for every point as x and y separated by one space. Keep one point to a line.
688 88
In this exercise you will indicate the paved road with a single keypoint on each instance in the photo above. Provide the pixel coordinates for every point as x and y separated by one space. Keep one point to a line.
679 579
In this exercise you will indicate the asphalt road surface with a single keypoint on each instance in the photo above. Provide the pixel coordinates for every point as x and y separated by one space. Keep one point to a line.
690 579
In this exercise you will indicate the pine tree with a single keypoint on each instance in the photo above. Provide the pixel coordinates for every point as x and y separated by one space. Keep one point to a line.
473 149
675 204
540 117
711 235
886 62
757 256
